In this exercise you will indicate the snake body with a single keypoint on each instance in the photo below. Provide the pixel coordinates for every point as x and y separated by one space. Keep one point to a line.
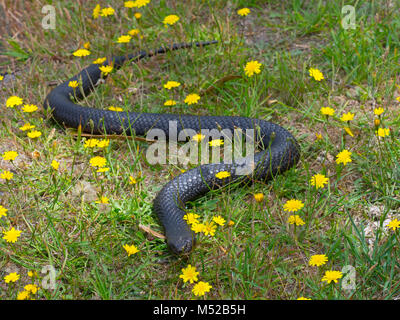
281 151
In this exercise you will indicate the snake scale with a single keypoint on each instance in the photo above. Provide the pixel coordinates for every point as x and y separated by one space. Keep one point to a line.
280 152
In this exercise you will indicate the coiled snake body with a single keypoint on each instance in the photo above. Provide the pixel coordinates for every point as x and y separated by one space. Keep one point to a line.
281 150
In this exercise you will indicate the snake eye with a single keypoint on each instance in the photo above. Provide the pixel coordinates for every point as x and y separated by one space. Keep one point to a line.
181 247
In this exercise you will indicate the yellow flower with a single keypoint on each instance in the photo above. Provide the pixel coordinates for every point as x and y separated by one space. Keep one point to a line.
192 98
347 117
252 67
91 143
124 39
96 11
130 249
98 161
303 298
219 220
134 32
32 288
201 288
197 227
209 228
171 84
103 143
86 45
104 169
32 273
141 3
348 131
343 157
316 74
327 111
129 4
106 69
34 134
103 200
132 180
11 277
223 174
319 180
1 78
10 155
73 84
231 223
55 164
189 274
137 15
23 295
11 235
318 260
243 12
332 276
13 101
26 127
394 224
118 109
105 12
3 211
383 132
198 137
379 111
29 108
259 197
99 60
169 103
295 219
293 205
191 218
6 175
171 19
81 53
318 136
216 142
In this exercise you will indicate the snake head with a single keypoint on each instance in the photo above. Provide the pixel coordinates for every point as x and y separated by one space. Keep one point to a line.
180 245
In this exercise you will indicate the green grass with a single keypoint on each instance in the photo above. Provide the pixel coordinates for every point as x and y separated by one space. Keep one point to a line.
261 256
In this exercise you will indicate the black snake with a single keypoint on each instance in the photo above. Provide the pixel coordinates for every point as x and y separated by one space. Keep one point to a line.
280 151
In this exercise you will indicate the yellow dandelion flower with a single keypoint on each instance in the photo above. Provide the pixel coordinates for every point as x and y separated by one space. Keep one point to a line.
231 223
137 15
303 298
98 161
243 12
216 142
379 111
192 98
327 111
13 101
55 164
383 132
319 180
189 274
316 74
201 288
124 38
141 3
209 228
198 137
348 131
103 143
252 67
10 155
129 4
347 117
133 32
11 277
343 157
12 235
99 60
197 227
104 169
3 211
1 77
73 84
103 200
6 175
130 249
219 220
96 11
26 126
318 260
223 174
259 197
91 143
34 134
132 180
171 84
31 288
394 224
86 45
169 103
106 69
28 108
170 20
105 12
23 295
81 53
332 275
293 205
118 109
295 219
191 218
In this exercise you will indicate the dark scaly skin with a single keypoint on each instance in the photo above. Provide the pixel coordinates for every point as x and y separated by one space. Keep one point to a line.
280 153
